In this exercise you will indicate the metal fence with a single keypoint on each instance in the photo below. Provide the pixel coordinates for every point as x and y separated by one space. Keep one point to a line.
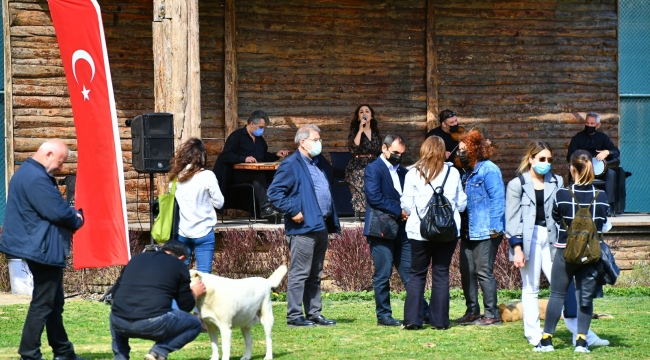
634 87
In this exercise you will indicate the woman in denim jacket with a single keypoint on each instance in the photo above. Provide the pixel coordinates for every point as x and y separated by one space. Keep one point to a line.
482 230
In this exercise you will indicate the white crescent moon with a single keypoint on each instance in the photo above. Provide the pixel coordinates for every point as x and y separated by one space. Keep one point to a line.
82 54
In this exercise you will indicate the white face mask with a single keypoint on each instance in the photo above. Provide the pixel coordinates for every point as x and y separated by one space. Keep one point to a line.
316 148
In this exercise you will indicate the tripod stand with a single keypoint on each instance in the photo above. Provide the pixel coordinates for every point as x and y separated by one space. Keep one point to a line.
152 245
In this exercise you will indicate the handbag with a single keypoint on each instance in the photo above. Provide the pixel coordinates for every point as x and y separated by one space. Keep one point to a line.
382 225
162 226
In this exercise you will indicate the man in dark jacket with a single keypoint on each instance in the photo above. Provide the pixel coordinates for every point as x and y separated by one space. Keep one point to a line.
247 145
38 226
301 191
601 147
384 183
142 303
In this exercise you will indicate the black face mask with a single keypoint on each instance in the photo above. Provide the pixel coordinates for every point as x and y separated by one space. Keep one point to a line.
453 128
394 159
462 155
590 129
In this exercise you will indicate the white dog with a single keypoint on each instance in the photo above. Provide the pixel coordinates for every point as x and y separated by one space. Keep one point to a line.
237 302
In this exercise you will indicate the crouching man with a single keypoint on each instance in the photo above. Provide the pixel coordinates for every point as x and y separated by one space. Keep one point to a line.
142 303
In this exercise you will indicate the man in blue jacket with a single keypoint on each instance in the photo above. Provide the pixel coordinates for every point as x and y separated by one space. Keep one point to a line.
301 191
384 182
38 227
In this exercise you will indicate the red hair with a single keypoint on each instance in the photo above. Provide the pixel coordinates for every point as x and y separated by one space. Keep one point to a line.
477 148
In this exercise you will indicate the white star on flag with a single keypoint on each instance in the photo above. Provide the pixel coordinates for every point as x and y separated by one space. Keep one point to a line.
85 92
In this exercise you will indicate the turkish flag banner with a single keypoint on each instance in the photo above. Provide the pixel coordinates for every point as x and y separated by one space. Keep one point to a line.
103 239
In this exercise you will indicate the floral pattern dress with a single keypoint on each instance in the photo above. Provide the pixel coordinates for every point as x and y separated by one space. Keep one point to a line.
355 170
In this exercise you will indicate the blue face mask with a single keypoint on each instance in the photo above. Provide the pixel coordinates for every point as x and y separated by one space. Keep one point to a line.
316 148
542 167
258 132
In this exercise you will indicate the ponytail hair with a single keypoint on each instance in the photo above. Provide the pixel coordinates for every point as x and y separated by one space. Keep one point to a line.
581 161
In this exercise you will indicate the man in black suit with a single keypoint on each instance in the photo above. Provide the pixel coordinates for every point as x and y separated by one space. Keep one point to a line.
601 147
384 182
247 145
448 125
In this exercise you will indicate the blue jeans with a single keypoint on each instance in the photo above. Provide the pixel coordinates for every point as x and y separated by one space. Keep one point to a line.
203 249
171 331
386 253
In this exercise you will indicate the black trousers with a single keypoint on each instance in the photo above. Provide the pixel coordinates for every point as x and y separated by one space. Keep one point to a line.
258 180
610 186
45 311
439 254
477 267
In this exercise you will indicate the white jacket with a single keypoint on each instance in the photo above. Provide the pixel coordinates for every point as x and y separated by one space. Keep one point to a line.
197 198
417 193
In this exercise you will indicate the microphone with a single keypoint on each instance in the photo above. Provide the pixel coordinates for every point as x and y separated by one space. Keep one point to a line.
364 118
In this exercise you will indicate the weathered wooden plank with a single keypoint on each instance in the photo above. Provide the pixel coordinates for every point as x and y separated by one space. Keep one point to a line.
231 77
431 68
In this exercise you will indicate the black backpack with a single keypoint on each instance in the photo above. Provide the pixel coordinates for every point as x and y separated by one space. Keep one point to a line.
438 224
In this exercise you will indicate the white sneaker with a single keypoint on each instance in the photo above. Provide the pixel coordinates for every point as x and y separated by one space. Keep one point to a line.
581 349
600 342
543 348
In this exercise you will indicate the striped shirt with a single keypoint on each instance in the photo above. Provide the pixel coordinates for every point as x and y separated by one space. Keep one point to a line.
321 185
565 207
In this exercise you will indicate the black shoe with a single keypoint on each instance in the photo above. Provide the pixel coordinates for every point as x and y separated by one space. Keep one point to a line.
388 321
322 321
300 322
268 211
411 327
69 357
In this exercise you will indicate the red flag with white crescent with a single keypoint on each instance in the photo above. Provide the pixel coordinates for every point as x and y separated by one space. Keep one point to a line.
103 239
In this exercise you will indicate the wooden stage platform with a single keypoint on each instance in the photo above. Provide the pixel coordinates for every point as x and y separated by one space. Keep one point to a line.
630 234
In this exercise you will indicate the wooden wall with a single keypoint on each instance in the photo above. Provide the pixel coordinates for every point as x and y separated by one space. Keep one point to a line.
305 61
528 70
518 70
41 104
211 27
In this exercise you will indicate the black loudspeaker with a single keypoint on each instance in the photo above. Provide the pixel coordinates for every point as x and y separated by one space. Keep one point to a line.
152 137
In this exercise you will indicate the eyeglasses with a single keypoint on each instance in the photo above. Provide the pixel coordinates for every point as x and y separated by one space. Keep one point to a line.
545 159
315 140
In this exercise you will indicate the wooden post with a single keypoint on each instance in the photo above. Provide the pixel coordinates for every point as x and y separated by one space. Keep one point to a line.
432 69
177 83
9 114
230 70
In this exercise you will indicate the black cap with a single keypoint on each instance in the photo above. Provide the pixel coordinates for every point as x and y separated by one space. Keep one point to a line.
446 114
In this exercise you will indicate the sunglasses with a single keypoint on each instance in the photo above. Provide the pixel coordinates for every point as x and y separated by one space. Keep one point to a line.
545 159
450 114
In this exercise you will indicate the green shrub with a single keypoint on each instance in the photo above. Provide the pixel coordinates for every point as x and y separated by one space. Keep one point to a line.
639 276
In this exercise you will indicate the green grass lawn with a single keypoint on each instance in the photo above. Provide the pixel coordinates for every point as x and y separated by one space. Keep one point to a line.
356 336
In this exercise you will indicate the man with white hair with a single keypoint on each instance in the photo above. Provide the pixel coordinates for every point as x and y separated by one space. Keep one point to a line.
601 147
301 191
38 227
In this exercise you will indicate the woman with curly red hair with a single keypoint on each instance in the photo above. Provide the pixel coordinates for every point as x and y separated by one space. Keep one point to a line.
482 228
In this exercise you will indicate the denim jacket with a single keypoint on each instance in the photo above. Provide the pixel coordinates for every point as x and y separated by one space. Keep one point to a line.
485 200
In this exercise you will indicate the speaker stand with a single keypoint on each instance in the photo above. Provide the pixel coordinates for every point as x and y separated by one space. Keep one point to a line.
152 246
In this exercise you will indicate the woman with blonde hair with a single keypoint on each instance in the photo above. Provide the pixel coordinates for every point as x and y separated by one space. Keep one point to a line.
429 173
197 195
566 204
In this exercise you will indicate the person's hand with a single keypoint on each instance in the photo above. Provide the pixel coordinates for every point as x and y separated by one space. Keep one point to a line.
251 159
403 216
282 153
362 124
198 289
602 154
519 260
447 153
298 218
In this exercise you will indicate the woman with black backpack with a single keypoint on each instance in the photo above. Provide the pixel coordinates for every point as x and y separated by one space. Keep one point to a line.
532 234
430 172
566 208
